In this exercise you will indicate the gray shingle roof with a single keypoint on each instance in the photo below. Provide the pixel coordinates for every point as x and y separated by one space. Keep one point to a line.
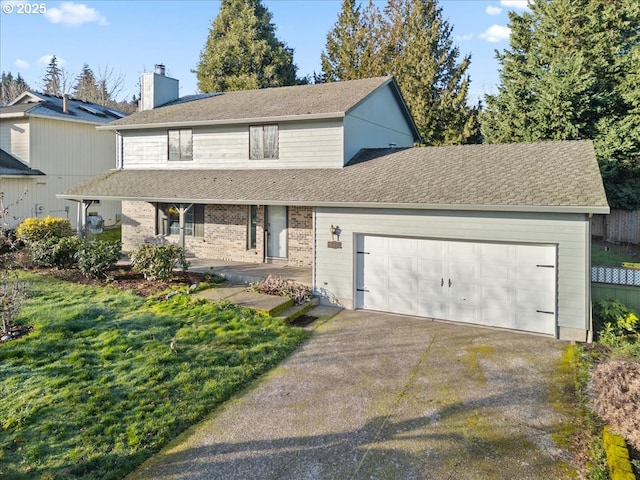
78 110
10 165
544 176
300 100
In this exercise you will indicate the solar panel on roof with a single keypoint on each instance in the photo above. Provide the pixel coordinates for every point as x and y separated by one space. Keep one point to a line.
92 110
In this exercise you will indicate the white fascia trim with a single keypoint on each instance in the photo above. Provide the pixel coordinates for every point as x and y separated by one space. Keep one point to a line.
235 121
397 206
74 120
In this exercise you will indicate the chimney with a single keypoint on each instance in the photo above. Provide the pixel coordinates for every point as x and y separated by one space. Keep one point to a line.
157 89
65 103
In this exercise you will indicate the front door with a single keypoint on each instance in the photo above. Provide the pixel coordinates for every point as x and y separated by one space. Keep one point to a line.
276 231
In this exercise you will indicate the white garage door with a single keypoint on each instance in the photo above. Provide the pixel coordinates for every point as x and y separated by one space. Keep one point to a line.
502 285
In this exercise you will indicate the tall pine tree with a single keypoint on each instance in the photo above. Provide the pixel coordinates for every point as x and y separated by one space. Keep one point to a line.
412 41
11 87
86 87
242 51
571 72
52 81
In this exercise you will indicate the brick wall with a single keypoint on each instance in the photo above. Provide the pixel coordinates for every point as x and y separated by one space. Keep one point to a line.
225 232
300 236
138 224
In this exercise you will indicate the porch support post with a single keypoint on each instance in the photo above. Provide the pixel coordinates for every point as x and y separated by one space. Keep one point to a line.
182 210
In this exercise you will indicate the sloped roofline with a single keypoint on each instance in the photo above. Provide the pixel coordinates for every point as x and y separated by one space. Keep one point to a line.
389 82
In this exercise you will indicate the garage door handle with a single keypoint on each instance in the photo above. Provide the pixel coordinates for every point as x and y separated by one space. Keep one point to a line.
362 290
546 266
442 282
449 283
545 311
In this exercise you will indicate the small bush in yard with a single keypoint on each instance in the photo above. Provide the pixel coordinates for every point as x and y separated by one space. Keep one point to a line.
156 262
56 252
298 292
615 317
35 229
96 258
617 385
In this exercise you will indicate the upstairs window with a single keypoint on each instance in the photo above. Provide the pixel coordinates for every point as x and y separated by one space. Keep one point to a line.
263 142
180 144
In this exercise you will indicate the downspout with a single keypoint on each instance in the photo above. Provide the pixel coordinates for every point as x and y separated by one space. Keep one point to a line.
588 260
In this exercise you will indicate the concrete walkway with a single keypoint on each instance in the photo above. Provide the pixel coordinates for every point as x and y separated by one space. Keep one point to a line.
239 272
376 396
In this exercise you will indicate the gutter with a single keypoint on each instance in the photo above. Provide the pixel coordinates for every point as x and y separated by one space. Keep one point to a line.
368 205
234 121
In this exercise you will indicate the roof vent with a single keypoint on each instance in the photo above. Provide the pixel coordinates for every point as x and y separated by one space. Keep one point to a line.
160 69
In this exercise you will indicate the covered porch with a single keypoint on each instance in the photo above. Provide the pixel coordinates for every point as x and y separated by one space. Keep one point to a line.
241 272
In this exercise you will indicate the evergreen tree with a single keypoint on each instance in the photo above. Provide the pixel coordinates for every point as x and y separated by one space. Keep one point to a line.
571 72
86 87
53 79
11 87
242 51
424 60
411 41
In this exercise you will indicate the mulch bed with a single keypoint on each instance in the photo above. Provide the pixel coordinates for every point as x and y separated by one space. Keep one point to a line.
124 278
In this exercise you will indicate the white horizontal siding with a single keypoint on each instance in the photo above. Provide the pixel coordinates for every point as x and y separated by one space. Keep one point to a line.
334 272
71 148
14 138
311 144
377 122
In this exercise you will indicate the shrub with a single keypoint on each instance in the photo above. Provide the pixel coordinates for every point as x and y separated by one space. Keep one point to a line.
614 317
96 258
12 294
298 292
617 385
156 262
35 229
56 252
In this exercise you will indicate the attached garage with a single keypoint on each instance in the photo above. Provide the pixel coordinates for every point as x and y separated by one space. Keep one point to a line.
496 284
491 235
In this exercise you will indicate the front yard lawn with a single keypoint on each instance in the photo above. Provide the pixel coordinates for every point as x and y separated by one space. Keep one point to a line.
106 378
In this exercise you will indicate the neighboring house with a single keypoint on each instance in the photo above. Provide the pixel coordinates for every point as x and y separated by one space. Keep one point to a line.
325 176
47 145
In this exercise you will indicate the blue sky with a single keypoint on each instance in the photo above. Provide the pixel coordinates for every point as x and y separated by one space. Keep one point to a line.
128 37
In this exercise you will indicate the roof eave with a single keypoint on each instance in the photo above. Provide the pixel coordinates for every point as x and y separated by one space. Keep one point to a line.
235 121
582 209
13 115
63 119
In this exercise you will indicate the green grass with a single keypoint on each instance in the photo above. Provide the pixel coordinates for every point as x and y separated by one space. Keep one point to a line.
110 234
610 258
96 387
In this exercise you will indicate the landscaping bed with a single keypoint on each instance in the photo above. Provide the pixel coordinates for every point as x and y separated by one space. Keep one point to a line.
113 370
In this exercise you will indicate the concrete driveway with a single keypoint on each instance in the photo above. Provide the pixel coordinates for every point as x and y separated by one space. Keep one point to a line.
375 396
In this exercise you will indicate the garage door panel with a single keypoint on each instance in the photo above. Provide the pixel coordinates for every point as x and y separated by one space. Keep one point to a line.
502 285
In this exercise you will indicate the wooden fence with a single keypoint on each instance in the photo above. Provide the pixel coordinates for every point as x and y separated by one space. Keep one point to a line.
629 296
620 226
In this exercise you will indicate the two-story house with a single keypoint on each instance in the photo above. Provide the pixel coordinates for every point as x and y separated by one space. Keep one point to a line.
326 176
47 145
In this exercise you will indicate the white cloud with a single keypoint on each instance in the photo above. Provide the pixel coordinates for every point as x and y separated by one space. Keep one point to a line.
496 33
73 14
464 38
21 64
522 4
44 60
491 10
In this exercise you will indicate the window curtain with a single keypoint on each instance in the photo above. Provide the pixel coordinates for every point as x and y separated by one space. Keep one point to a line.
270 141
